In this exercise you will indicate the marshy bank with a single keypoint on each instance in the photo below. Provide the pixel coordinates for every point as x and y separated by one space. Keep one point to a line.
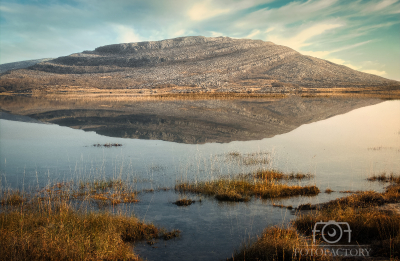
374 233
81 220
67 222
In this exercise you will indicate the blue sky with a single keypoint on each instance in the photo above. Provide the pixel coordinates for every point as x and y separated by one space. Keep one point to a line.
364 35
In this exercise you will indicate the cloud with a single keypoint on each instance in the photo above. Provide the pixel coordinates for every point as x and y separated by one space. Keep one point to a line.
379 6
360 68
205 10
253 33
6 9
301 38
350 46
326 55
376 72
270 29
293 12
318 54
343 62
126 34
336 60
179 33
216 34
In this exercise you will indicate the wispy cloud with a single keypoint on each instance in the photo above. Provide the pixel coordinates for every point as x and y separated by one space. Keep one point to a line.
126 34
287 14
6 9
376 72
373 7
343 62
349 46
205 10
179 33
253 33
301 38
216 34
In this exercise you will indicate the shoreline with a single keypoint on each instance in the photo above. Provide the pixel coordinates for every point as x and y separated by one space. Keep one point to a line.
76 92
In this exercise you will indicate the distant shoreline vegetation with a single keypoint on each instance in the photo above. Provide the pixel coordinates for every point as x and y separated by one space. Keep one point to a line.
190 93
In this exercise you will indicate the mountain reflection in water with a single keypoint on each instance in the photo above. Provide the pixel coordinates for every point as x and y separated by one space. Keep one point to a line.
183 121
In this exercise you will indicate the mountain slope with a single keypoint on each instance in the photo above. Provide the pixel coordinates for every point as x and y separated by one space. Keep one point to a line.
208 63
20 65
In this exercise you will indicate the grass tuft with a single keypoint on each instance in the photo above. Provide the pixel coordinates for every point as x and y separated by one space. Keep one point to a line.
282 206
231 196
383 177
170 235
107 145
184 202
12 198
241 188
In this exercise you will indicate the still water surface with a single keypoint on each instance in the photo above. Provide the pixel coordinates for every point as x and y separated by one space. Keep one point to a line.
341 151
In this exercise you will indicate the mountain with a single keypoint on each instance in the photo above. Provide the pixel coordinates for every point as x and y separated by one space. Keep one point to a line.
20 65
201 63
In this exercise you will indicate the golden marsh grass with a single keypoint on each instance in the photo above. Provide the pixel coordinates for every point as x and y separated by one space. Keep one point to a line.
370 223
50 225
242 187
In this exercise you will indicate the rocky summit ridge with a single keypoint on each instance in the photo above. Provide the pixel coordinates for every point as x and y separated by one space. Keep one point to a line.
204 63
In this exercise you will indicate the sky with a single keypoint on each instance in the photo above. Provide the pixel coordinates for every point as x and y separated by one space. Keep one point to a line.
363 35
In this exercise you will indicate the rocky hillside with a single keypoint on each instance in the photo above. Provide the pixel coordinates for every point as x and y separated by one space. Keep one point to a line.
202 63
20 65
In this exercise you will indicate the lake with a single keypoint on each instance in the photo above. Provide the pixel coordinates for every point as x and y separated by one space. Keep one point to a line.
341 141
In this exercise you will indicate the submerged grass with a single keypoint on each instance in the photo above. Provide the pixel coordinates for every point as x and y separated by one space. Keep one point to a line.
101 192
384 177
278 175
241 188
247 159
46 225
